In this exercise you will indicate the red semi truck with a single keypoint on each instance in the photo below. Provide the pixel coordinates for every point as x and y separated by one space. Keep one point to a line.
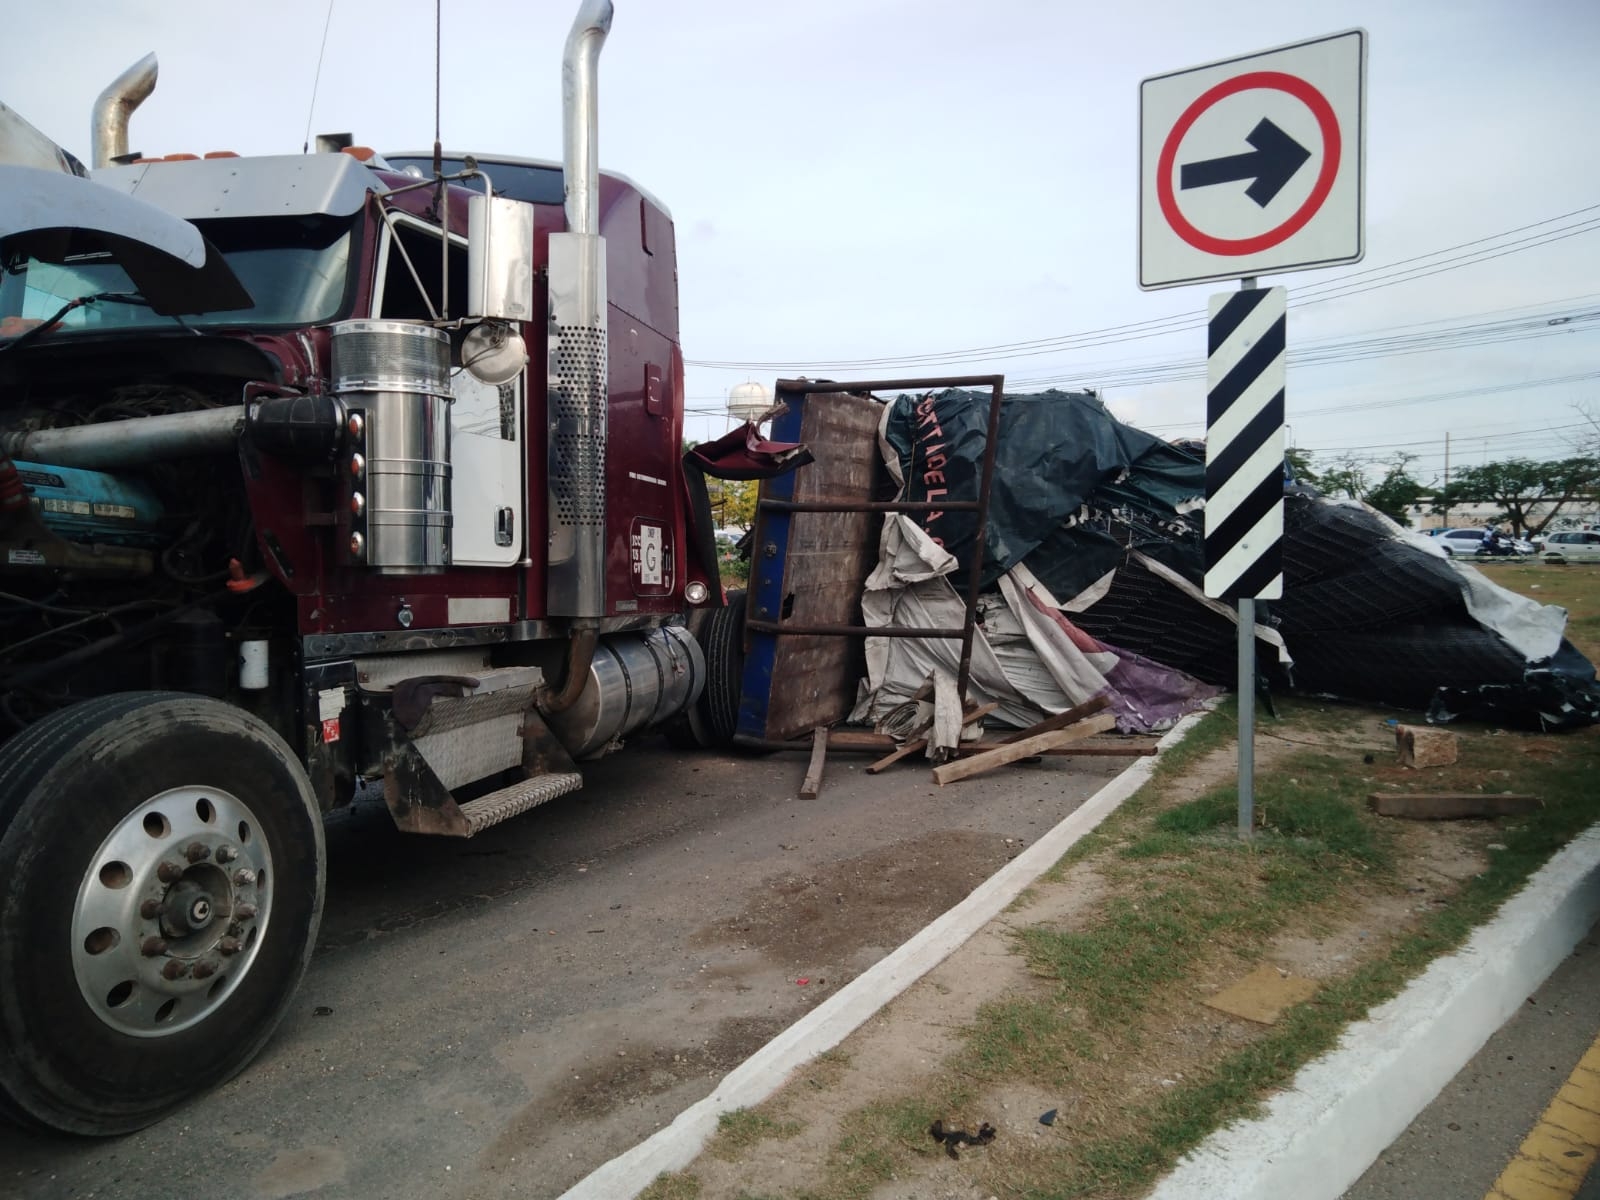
315 471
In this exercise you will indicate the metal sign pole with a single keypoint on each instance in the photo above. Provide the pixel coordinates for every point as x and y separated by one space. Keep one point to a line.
1247 716
1247 693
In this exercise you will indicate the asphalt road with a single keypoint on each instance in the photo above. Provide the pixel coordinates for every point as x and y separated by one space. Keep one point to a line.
1457 1147
499 1016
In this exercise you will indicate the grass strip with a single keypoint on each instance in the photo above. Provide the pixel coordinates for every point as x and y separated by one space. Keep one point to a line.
1186 890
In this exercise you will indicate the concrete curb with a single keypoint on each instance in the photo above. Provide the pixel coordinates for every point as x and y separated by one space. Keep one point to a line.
752 1081
1343 1110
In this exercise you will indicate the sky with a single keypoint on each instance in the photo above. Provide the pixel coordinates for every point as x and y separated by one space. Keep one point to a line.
890 182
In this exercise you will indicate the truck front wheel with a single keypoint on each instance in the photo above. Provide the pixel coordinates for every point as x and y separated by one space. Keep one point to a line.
161 877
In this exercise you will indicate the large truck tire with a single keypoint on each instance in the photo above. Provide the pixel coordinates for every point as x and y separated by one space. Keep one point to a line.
161 882
724 649
712 720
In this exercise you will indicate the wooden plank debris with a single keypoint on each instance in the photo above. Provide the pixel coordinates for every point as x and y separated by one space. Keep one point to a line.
1102 751
916 744
904 751
812 787
964 768
1451 806
1060 721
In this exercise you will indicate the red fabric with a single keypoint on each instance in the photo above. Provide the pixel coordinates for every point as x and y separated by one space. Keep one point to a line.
745 454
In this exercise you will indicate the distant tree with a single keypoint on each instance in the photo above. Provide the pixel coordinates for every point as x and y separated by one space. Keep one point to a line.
1519 486
1392 493
1347 477
733 502
1300 464
1395 494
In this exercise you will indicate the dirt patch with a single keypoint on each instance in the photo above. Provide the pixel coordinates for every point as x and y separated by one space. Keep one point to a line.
905 1043
848 914
634 1073
908 1049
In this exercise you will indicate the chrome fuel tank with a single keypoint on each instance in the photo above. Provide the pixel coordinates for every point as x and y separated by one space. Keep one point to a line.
635 681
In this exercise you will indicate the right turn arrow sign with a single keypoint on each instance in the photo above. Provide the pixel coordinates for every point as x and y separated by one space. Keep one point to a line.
1271 165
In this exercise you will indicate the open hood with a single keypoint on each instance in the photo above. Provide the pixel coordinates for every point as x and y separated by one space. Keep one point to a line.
50 215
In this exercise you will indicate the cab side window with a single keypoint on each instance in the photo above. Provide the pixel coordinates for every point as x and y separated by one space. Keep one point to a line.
401 299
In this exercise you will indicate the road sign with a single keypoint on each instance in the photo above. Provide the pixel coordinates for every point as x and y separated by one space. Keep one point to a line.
1244 445
1253 165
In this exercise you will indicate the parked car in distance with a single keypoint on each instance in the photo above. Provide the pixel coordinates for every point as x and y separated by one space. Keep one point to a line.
1573 546
1469 543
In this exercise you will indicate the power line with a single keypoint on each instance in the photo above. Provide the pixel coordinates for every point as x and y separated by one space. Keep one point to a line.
1405 402
1338 287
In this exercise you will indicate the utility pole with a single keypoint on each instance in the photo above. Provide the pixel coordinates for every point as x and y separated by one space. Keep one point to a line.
1447 478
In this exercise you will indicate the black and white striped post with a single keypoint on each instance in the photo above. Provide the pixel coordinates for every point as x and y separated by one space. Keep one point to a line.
1244 481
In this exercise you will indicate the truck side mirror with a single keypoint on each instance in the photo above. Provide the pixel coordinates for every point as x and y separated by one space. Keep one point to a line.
499 258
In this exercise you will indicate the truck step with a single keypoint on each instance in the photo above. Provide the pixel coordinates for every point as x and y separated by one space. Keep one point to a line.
518 798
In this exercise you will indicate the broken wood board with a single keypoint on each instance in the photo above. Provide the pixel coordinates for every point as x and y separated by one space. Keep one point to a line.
1262 995
915 744
1451 806
905 750
972 748
812 786
1010 752
1061 720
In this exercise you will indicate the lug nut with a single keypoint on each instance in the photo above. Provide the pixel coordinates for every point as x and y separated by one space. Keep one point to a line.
176 968
196 851
244 877
153 947
229 945
169 872
244 911
150 909
226 854
204 970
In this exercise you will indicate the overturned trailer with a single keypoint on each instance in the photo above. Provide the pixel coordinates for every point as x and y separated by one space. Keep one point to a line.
1089 547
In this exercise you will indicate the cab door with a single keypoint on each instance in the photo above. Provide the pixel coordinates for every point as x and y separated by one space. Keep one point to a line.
486 421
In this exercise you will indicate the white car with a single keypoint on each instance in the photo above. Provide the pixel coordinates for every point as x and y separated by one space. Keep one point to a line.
1573 546
1455 542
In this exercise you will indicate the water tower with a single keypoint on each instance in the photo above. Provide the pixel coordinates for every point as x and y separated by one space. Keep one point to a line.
748 400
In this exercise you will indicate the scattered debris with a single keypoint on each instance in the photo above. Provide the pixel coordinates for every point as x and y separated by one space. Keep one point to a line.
1012 751
812 786
914 744
802 981
951 1138
1262 995
1451 806
1108 520
322 1010
1048 1117
1418 746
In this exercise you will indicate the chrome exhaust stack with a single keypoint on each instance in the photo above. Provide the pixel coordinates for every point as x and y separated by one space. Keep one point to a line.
108 128
577 365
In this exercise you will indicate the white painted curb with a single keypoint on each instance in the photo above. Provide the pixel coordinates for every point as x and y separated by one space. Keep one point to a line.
825 1026
1320 1135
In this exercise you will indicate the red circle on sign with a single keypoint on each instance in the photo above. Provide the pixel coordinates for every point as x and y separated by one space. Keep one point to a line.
1276 81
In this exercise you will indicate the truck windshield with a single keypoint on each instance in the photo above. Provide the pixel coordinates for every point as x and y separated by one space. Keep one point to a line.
295 268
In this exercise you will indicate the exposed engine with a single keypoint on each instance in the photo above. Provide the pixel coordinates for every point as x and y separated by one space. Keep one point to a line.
118 578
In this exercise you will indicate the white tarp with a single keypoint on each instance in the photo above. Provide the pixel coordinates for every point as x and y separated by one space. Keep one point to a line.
1026 656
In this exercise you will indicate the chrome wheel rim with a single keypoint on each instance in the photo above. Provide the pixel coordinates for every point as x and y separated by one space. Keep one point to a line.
171 911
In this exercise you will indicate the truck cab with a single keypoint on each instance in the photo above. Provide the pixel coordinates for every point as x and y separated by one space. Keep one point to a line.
316 471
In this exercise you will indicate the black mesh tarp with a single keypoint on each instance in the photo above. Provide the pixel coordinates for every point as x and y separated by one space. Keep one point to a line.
1365 614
